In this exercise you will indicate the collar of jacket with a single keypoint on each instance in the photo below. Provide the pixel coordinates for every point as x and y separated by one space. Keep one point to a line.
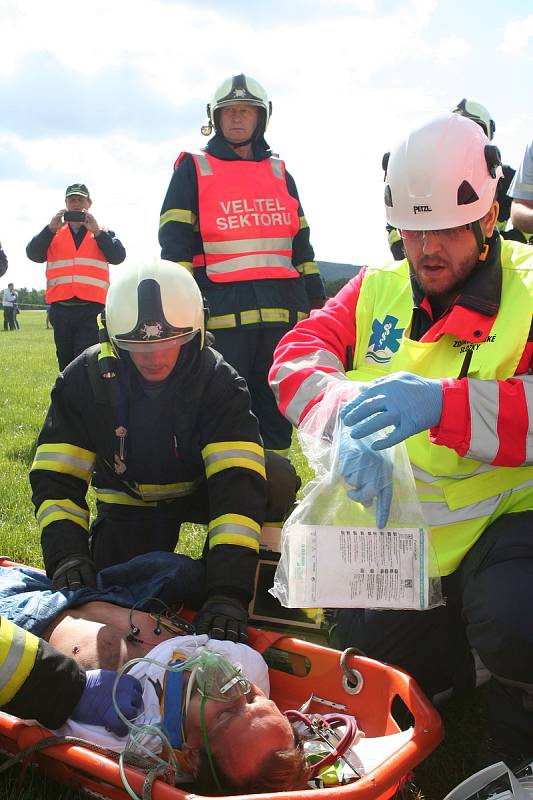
218 148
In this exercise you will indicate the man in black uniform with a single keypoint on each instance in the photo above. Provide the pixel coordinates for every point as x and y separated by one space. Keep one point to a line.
165 435
233 217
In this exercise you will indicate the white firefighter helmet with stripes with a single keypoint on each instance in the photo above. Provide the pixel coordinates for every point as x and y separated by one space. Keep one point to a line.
238 89
152 306
444 174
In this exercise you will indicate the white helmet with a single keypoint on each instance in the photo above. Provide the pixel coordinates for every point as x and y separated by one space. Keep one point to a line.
153 305
444 174
238 89
477 113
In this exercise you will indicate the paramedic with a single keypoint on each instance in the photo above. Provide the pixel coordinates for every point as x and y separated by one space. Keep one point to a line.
445 340
161 426
232 216
480 114
32 671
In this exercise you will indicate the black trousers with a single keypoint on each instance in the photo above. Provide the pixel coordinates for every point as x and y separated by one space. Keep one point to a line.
9 322
121 532
250 352
75 329
489 607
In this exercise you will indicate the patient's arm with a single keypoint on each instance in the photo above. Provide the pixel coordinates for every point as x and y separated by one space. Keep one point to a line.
95 634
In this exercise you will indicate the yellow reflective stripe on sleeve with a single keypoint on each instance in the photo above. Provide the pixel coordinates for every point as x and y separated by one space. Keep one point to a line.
66 458
165 491
54 510
234 529
177 215
18 651
308 268
119 498
225 455
303 223
301 315
222 321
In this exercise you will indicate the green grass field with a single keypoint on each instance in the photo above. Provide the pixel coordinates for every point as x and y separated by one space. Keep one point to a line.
27 371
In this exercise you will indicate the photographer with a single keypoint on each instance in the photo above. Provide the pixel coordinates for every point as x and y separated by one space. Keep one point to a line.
78 252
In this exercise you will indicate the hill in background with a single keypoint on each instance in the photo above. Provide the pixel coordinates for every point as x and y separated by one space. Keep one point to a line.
335 275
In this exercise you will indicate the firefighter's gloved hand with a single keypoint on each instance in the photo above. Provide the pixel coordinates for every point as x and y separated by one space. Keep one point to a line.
222 617
407 402
74 572
96 704
369 474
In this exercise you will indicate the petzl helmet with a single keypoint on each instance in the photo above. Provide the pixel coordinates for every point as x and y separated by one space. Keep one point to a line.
477 113
238 89
444 174
153 307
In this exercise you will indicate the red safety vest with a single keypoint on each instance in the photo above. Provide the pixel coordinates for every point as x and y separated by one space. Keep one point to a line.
82 273
247 217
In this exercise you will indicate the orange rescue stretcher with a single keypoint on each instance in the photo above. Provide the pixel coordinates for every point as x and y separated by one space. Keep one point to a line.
367 689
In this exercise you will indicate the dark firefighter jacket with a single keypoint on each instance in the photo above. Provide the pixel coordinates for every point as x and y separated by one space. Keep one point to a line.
274 302
194 428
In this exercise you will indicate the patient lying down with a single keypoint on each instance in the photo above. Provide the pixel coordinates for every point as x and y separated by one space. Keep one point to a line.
253 744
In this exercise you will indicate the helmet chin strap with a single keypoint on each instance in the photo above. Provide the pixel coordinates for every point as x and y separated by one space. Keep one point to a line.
480 236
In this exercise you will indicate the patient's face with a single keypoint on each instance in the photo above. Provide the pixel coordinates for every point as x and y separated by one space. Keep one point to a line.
253 721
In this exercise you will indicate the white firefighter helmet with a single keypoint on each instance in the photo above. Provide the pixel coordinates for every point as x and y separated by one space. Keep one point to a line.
153 306
477 113
444 174
238 89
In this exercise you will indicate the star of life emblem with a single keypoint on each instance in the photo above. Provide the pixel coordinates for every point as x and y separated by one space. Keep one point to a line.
384 341
152 330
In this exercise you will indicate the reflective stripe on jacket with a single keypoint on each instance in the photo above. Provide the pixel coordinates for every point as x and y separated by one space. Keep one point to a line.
248 219
71 272
460 495
18 651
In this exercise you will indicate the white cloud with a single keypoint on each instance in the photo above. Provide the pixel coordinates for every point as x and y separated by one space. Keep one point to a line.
516 36
345 85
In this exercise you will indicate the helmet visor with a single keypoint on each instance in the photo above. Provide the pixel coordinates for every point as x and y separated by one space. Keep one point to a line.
155 345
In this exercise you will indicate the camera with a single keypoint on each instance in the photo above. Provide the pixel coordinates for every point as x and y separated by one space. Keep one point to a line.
74 216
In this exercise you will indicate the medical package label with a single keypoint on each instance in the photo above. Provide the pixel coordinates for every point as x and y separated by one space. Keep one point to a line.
352 567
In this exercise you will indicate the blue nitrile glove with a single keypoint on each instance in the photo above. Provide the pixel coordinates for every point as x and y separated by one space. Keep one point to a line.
367 472
407 402
96 704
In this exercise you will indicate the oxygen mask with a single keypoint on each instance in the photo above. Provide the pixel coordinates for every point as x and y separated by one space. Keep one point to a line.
216 678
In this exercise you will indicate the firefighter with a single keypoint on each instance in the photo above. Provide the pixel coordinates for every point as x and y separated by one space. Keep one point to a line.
32 672
445 340
78 252
232 216
161 426
481 115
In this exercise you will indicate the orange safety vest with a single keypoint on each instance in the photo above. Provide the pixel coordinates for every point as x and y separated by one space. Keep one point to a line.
82 273
247 218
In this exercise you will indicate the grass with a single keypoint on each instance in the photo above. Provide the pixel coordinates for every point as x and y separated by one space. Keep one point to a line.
27 371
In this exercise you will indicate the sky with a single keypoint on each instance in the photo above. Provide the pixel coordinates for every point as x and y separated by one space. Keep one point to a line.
109 94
